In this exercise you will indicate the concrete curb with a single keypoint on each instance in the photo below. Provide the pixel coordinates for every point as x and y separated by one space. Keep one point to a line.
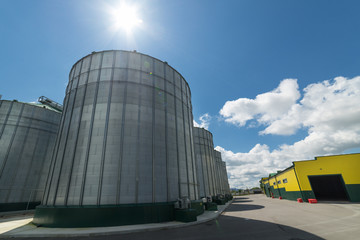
30 230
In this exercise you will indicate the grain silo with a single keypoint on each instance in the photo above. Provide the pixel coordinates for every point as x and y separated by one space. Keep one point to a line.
125 146
218 173
27 137
223 182
226 187
204 154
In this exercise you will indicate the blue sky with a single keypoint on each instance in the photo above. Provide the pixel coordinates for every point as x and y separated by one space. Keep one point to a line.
239 51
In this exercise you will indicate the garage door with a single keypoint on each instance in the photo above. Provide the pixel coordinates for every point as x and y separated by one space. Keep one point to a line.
328 187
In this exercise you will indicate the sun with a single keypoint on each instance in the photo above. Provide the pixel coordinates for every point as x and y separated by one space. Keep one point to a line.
126 17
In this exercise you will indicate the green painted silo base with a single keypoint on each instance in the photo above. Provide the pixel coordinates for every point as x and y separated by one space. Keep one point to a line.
102 216
220 201
198 206
185 215
211 206
20 206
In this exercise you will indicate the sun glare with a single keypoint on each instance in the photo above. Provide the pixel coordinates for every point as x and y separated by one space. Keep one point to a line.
126 17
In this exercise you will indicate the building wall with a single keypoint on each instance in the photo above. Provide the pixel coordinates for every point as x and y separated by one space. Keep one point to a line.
285 184
273 185
264 184
298 184
347 165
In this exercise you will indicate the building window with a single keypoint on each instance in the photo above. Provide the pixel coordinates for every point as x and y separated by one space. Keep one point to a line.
279 182
285 180
274 183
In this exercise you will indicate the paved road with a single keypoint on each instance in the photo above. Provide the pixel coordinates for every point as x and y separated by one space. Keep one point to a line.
325 219
258 217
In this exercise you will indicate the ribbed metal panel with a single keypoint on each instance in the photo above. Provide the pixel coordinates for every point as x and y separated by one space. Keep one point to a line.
226 187
125 135
205 160
221 177
27 137
219 181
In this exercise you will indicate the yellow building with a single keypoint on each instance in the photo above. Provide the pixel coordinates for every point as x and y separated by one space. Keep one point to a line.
325 178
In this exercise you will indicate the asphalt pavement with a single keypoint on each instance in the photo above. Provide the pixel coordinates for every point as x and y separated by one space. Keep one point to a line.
253 217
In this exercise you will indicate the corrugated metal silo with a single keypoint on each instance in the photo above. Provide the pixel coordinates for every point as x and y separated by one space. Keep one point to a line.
218 173
125 140
226 186
204 154
27 137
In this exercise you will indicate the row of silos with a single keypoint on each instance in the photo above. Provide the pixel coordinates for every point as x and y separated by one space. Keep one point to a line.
126 149
211 170
27 136
221 177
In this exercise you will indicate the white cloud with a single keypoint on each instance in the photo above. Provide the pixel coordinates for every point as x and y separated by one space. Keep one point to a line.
326 106
329 110
266 107
204 121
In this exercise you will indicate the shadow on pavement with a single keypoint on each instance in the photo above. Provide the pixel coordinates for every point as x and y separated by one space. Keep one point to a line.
242 201
240 198
243 207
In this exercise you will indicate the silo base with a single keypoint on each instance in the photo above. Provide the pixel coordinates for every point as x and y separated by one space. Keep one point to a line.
185 215
19 206
198 206
102 216
220 201
211 206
